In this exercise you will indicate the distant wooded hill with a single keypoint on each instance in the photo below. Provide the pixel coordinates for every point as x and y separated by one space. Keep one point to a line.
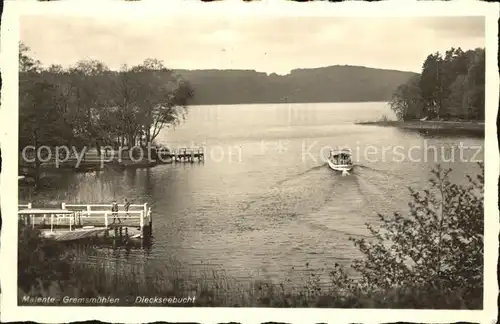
326 84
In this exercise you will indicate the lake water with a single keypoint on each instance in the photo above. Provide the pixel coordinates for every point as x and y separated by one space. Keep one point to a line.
263 201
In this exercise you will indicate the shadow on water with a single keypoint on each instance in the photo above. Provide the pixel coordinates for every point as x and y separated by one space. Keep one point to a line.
452 132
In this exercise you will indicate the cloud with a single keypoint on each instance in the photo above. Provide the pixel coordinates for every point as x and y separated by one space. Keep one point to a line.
270 44
455 27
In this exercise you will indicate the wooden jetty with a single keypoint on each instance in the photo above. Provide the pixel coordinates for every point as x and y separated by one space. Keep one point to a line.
80 222
184 154
91 160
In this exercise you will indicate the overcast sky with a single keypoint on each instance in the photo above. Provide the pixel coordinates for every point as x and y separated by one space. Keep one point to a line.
266 44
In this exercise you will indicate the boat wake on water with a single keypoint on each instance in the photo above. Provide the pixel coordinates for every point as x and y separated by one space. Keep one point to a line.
377 196
285 187
322 200
318 167
367 188
384 172
336 230
281 184
343 214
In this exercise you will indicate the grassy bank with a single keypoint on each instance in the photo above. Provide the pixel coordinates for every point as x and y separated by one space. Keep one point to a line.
214 288
411 262
433 126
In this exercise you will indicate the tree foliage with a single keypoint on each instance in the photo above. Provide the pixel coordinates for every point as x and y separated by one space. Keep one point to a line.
406 101
449 87
26 63
88 104
436 250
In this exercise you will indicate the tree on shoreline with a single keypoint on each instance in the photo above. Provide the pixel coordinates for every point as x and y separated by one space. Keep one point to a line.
449 87
98 106
163 97
41 121
26 63
406 101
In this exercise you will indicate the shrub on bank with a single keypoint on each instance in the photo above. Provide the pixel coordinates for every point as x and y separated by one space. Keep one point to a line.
430 258
436 250
40 262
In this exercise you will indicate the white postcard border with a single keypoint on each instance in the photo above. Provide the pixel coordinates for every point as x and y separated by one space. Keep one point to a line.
9 130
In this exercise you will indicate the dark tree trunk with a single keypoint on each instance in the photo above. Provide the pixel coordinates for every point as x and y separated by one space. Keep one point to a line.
148 138
37 164
131 141
98 147
37 171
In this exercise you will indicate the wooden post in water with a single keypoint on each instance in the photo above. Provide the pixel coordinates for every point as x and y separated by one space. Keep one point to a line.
201 151
150 218
144 214
141 223
148 228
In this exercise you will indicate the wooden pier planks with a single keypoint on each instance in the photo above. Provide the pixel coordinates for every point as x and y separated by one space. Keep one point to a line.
78 234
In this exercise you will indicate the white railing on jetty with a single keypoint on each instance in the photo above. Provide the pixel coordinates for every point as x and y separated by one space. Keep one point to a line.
96 214
86 211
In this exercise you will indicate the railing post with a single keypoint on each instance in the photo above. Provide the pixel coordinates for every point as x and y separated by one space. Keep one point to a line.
143 215
70 223
63 206
150 220
141 223
29 205
51 222
106 219
88 210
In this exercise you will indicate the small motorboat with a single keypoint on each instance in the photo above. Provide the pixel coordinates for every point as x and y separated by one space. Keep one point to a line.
340 160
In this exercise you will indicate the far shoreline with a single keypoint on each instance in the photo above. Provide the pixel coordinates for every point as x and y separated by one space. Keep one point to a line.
475 128
278 102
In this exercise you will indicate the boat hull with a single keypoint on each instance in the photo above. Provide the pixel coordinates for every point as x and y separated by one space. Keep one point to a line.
340 167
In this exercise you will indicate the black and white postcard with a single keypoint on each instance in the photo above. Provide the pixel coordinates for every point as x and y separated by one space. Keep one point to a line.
249 161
